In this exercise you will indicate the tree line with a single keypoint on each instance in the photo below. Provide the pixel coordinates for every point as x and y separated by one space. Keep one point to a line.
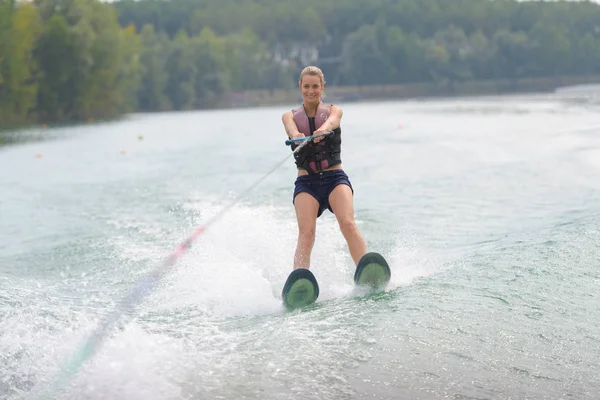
65 60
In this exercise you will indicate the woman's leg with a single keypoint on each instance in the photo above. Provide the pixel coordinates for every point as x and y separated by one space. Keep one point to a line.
307 208
342 204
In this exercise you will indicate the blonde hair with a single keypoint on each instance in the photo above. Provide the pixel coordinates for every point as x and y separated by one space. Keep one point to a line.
314 71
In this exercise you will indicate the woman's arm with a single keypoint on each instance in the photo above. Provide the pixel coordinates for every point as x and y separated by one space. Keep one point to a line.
290 126
333 121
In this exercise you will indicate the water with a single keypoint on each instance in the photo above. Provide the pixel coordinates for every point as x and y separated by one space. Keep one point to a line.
486 208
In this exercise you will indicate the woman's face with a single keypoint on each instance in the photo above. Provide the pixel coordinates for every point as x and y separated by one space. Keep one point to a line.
311 88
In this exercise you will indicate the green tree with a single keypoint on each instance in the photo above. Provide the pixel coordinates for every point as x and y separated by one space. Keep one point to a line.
89 65
362 58
513 55
154 77
19 29
211 79
181 85
57 58
457 46
129 74
551 47
437 60
480 56
247 59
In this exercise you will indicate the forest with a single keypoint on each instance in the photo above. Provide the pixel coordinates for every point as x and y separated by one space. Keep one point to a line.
76 60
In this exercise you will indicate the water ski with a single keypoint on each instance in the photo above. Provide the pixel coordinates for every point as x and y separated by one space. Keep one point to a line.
372 271
300 289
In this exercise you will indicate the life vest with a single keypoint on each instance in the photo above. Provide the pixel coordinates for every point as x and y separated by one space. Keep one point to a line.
315 157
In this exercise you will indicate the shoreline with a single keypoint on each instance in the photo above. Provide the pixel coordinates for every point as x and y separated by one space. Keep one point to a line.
411 91
349 94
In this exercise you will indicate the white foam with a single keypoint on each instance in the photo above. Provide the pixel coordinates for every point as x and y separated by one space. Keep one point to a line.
240 264
236 268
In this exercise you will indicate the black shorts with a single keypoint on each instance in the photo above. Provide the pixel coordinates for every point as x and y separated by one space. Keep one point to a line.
320 186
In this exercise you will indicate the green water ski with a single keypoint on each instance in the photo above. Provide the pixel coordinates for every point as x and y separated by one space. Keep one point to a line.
300 289
372 271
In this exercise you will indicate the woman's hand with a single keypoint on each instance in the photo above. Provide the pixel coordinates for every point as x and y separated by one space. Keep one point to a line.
318 134
296 135
332 122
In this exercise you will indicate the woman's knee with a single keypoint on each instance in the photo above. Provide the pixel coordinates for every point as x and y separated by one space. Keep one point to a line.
348 225
306 233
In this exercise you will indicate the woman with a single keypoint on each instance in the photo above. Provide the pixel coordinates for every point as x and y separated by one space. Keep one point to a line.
321 183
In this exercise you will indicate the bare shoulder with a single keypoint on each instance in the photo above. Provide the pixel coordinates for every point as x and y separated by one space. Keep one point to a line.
287 114
336 110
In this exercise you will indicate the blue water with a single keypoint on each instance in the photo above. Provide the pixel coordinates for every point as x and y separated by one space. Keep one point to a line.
487 210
